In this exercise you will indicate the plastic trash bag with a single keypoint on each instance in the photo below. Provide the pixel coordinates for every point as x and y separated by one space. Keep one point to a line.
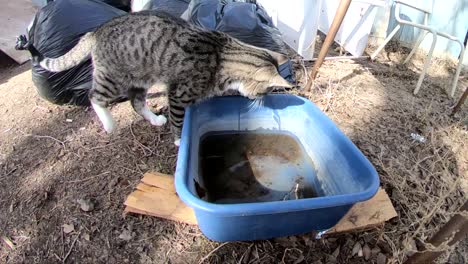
120 4
248 22
244 20
55 30
173 7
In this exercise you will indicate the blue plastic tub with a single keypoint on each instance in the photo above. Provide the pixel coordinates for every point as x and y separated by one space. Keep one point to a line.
344 174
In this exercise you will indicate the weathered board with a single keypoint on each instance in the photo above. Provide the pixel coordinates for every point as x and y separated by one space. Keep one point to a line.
156 196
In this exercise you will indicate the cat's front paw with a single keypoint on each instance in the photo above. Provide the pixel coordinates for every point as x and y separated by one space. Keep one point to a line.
158 120
177 142
109 126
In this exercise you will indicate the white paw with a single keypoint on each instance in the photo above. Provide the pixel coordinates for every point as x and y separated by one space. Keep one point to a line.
109 126
158 120
177 142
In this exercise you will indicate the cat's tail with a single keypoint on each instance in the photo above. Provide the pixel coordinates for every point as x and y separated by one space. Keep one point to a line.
77 54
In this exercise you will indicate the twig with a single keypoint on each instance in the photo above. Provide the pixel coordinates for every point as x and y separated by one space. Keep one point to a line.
246 255
341 58
139 143
212 251
295 191
57 257
89 178
8 242
63 244
48 137
10 172
306 76
71 248
460 102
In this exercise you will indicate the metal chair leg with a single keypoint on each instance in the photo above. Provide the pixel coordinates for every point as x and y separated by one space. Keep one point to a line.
427 62
387 39
457 73
421 37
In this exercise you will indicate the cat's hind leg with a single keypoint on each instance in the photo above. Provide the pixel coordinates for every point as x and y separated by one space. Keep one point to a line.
99 101
137 98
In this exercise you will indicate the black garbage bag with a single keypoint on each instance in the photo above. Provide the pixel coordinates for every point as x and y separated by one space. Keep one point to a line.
244 20
120 4
173 7
56 29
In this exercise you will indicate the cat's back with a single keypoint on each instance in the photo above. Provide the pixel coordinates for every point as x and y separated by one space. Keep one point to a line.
148 22
151 42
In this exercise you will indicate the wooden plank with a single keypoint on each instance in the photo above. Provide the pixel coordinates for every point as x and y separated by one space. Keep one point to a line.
367 214
185 220
147 188
159 180
163 202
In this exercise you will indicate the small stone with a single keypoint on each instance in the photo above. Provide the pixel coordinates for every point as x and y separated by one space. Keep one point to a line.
68 228
360 253
357 247
375 251
68 120
85 204
126 235
381 259
86 237
366 251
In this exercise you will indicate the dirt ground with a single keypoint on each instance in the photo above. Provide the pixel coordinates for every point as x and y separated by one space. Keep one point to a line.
52 156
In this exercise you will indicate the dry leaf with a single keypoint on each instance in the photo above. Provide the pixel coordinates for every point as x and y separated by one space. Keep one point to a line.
336 252
356 248
366 251
381 259
126 235
68 228
85 204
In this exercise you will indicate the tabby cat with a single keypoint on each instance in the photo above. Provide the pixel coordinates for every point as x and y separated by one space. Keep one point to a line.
133 52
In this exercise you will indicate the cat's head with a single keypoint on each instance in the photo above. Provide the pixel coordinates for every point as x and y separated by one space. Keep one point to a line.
257 72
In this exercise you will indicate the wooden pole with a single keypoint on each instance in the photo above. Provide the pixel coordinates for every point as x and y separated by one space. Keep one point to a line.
461 101
452 232
337 20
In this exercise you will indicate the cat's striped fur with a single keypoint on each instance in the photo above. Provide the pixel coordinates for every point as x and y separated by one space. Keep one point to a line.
131 53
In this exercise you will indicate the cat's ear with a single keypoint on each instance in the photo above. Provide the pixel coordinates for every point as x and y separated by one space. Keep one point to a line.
280 58
278 81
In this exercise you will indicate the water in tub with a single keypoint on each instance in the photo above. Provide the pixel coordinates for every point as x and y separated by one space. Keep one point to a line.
260 166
